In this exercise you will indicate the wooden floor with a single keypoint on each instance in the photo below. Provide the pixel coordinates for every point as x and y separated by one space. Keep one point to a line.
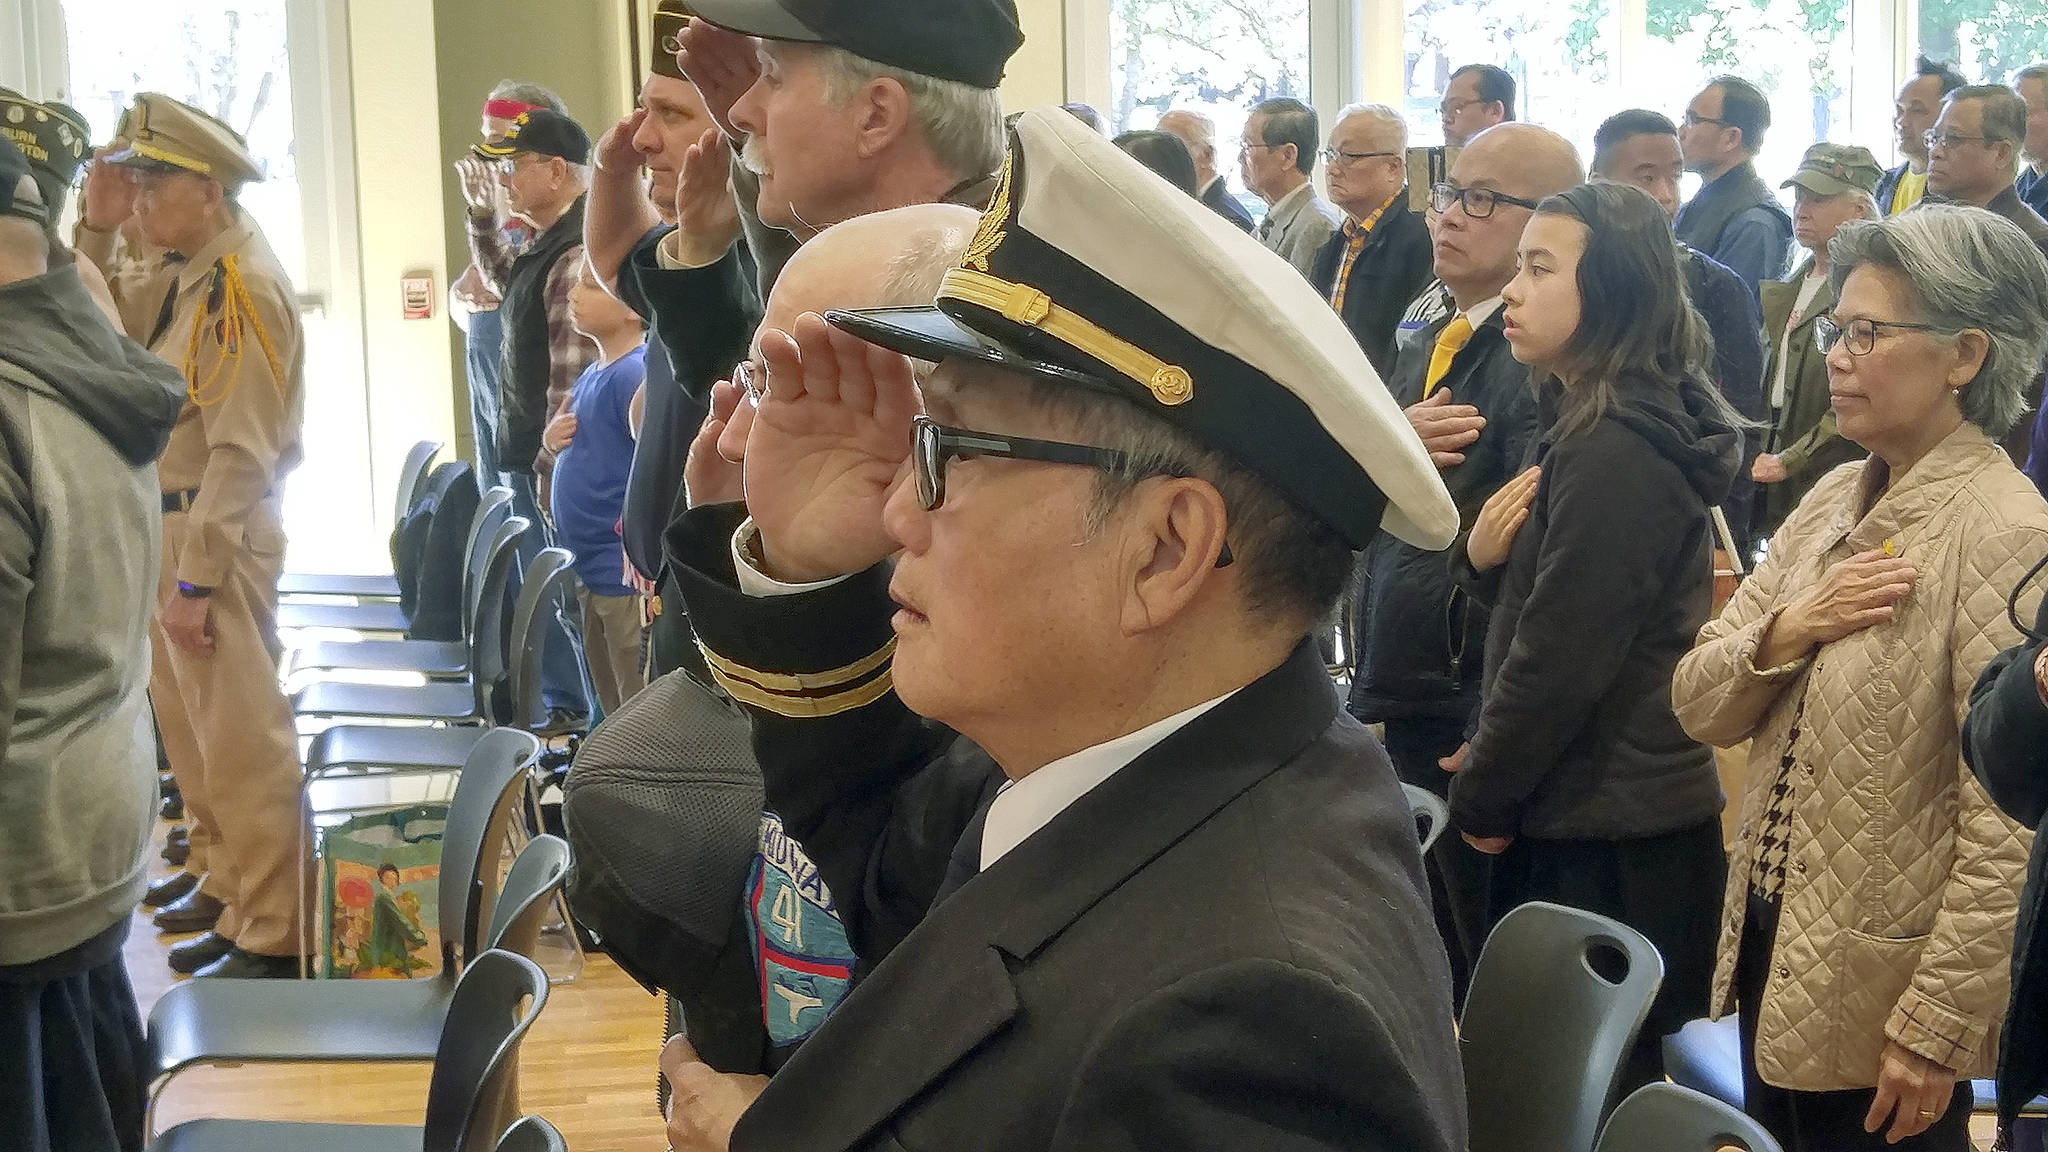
587 1065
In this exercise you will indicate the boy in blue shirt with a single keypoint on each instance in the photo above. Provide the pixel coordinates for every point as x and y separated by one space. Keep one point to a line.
592 440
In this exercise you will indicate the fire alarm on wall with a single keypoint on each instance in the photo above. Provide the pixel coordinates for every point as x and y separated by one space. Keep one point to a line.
416 293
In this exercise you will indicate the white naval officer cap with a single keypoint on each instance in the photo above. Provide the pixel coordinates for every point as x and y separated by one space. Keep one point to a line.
1090 270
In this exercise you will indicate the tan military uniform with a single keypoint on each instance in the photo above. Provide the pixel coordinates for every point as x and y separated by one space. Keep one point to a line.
137 275
227 727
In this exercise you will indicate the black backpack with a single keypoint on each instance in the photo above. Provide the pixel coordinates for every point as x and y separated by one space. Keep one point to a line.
428 565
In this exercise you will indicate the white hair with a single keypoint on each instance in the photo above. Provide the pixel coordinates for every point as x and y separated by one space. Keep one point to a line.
1384 115
962 124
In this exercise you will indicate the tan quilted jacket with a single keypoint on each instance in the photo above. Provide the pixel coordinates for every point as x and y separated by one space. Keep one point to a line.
1904 879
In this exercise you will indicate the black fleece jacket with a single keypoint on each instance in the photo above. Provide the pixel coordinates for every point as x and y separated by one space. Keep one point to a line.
1606 584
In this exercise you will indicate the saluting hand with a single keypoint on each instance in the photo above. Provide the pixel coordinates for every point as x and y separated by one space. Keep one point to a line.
109 194
713 473
707 218
722 64
704 1104
1502 517
615 151
479 184
828 441
559 433
1446 428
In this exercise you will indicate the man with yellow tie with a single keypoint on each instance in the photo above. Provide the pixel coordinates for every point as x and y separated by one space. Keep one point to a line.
1421 643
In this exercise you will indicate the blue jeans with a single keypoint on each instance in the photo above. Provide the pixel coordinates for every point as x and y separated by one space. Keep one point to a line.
484 347
562 684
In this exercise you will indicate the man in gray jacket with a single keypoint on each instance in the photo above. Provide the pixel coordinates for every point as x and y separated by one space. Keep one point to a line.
84 411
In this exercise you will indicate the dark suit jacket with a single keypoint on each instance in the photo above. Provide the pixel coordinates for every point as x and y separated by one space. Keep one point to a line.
1392 267
1218 197
1887 187
1225 945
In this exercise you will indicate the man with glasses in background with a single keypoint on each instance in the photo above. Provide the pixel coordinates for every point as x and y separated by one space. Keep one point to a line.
1973 157
1198 132
1734 217
1379 259
543 163
1421 641
1275 157
1478 97
2031 83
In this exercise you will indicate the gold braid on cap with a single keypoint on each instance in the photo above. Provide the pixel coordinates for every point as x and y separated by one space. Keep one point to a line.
237 316
1169 384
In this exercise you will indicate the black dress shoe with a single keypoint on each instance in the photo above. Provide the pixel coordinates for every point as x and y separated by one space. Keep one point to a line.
166 784
198 952
178 833
194 912
173 807
240 965
169 889
176 852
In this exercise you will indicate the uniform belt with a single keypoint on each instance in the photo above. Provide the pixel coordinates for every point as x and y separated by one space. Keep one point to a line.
180 501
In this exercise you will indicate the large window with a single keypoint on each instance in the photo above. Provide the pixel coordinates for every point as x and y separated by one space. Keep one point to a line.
1985 39
1560 54
234 58
1219 56
1797 51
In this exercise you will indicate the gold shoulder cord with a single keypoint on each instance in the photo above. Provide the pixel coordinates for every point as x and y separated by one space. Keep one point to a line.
237 316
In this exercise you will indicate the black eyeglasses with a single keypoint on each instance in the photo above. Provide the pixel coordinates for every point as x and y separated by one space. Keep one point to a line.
935 445
1861 333
1336 156
1691 118
1479 202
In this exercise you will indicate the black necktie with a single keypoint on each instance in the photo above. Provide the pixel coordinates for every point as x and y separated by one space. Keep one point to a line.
966 859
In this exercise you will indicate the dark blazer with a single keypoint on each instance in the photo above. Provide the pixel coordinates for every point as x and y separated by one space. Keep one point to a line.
1422 643
1218 198
1392 267
1225 945
2005 741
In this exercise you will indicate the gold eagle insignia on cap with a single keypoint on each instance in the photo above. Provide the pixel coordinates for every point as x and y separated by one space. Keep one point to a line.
989 236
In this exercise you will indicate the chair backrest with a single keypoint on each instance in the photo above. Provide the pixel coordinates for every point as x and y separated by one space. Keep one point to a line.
493 617
492 510
548 587
1668 1118
535 876
478 819
531 1134
495 1002
417 460
1556 999
1431 816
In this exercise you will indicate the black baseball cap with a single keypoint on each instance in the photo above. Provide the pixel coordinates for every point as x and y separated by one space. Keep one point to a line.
19 194
542 131
964 40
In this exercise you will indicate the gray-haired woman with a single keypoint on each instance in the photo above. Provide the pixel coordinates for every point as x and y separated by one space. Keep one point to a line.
1872 890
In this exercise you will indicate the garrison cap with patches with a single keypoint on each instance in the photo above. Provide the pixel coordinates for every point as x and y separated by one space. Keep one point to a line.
19 195
543 131
1832 169
670 18
964 40
161 131
1091 271
54 138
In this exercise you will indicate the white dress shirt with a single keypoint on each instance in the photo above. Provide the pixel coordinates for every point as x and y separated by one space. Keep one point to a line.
1024 806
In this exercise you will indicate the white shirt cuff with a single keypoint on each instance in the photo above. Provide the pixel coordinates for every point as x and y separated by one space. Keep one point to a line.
668 254
755 582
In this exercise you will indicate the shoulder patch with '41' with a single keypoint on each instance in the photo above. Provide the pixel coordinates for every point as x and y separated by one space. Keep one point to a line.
801 954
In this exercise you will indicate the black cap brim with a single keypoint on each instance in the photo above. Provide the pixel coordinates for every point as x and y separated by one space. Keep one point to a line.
929 334
764 18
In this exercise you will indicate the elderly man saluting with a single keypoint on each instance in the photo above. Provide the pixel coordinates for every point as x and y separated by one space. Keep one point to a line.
1119 870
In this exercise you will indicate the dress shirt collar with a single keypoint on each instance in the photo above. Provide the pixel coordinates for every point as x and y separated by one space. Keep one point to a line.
1024 806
